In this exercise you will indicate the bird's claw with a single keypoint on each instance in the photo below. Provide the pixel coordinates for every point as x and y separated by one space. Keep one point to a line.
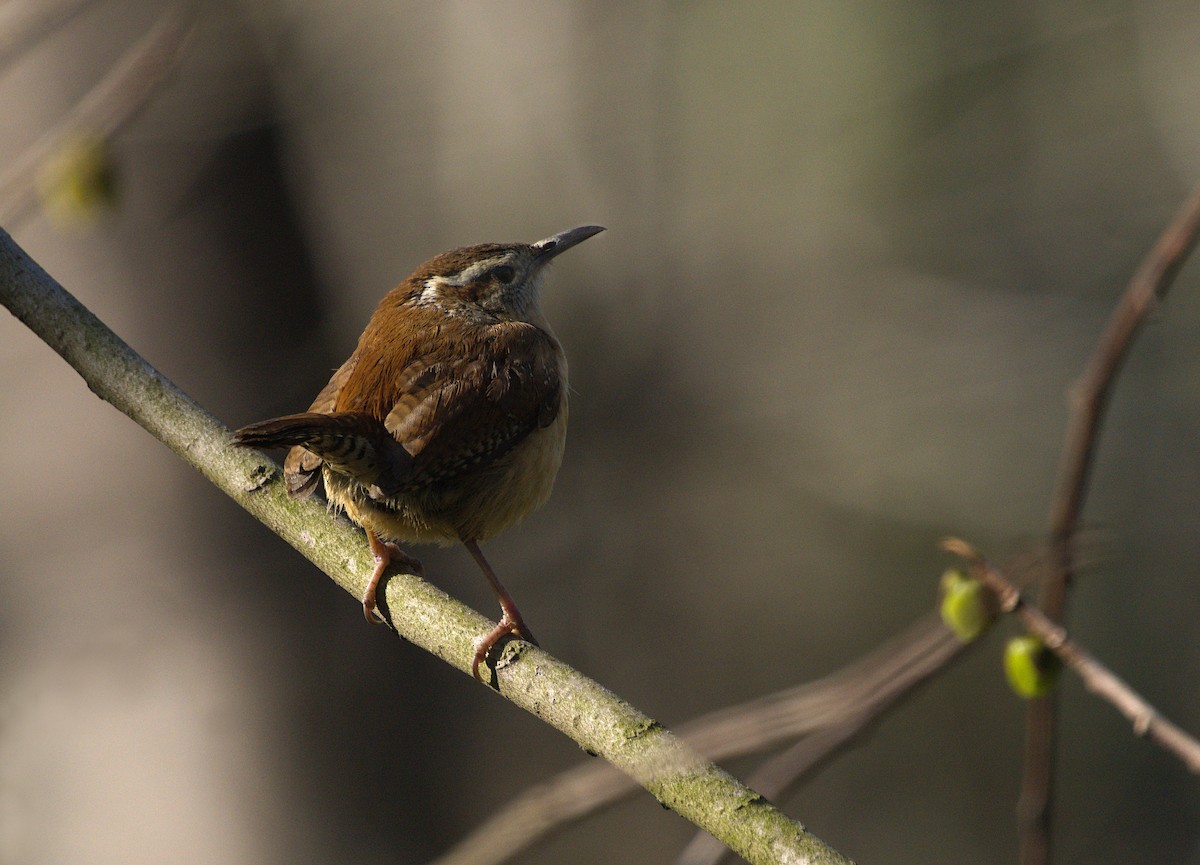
505 628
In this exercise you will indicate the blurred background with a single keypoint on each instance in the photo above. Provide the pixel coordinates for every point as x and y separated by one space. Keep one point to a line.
857 253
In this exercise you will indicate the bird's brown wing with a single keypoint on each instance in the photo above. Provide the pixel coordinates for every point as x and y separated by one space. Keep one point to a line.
302 467
453 417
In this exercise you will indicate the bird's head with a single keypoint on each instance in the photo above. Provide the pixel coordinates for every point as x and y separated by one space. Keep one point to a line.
491 280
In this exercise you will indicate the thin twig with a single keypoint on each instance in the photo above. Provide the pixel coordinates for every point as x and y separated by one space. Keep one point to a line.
1097 678
827 712
26 23
1089 397
796 764
107 107
1089 400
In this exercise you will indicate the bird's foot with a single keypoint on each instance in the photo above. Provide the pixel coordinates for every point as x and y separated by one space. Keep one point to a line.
386 554
507 627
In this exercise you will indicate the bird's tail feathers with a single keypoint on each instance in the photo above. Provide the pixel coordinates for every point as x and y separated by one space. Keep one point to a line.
351 443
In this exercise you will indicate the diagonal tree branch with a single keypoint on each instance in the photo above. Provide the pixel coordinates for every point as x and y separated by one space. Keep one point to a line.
598 720
776 775
829 713
926 649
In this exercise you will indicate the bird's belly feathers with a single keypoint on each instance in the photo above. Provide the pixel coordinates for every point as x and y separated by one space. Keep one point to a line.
473 507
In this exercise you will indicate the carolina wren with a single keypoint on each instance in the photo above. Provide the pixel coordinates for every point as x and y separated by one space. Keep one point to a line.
447 423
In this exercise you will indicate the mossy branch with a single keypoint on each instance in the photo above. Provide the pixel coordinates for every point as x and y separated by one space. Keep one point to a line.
595 718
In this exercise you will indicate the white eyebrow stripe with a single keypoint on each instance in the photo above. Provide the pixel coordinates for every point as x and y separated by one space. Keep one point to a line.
476 270
432 291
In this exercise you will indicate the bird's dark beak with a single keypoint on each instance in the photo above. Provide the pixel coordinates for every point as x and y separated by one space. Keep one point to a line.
544 250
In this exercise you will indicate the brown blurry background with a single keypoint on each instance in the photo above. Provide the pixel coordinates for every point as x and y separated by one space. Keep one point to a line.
857 252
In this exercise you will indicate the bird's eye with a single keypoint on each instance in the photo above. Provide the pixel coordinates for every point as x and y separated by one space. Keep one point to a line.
503 273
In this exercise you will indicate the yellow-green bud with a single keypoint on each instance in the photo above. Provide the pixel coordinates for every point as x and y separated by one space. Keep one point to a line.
1031 668
965 605
79 181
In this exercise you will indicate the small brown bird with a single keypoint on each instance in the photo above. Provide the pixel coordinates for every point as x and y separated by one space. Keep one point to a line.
448 421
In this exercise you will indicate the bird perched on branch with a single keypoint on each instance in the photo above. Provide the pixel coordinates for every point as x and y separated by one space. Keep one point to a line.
447 423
